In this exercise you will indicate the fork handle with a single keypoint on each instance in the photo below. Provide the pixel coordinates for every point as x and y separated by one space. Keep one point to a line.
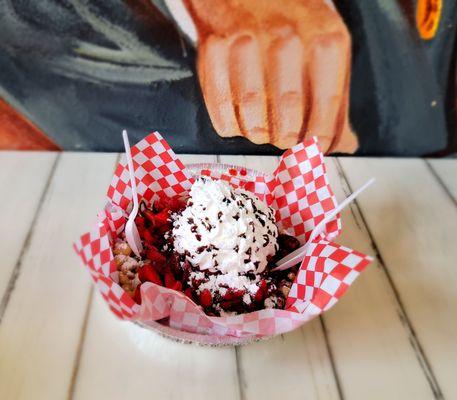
131 171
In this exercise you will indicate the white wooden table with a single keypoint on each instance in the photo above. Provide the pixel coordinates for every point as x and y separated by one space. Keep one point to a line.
393 336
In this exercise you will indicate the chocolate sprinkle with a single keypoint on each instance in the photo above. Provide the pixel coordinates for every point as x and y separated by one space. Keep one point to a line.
201 249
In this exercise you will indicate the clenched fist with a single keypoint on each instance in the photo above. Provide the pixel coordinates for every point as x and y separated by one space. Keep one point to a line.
275 71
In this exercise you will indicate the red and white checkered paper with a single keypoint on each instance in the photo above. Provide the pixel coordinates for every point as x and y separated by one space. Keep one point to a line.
299 192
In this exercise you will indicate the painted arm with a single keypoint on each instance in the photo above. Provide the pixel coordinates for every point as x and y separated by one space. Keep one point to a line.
275 72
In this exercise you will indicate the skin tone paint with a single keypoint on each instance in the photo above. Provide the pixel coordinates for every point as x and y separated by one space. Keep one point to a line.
275 72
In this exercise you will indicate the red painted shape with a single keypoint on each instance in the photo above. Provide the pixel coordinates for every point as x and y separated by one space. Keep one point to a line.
18 133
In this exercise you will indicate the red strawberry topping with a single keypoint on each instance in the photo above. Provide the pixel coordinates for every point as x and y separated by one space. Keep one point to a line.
139 221
261 292
137 295
149 216
164 266
154 255
148 274
148 237
188 293
206 299
176 204
169 280
233 294
161 218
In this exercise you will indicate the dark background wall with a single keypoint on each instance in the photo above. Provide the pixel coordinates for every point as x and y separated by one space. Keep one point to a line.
82 71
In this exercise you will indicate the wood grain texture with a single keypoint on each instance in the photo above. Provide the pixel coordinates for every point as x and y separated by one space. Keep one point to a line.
293 364
370 340
391 336
121 360
446 171
41 327
23 178
413 223
260 163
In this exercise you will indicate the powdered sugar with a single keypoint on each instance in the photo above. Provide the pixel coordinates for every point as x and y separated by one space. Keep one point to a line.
221 283
247 299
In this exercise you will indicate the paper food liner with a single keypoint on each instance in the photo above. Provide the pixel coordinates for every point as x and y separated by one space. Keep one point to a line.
298 191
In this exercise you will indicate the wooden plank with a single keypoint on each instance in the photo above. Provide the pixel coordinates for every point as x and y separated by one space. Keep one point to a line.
23 176
291 365
41 328
193 158
260 163
370 339
446 172
121 360
413 223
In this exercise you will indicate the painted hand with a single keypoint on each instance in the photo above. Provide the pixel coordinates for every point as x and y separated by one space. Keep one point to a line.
275 71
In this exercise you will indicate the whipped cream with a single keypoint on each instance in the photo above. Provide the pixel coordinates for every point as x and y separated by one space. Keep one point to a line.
225 230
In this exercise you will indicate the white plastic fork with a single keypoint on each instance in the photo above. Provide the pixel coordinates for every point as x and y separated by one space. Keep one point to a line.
131 231
296 256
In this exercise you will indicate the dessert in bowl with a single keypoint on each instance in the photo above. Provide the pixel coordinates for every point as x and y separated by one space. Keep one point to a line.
205 274
218 246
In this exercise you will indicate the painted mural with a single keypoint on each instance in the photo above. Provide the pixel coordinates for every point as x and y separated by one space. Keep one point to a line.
371 77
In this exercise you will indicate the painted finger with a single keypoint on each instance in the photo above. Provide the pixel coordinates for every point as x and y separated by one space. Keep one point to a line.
345 141
214 79
285 90
248 88
328 72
